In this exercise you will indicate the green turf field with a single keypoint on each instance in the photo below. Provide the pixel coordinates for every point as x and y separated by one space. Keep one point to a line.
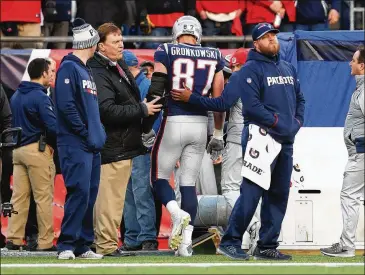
200 264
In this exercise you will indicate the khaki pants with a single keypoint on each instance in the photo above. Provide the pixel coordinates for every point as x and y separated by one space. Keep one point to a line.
108 209
33 170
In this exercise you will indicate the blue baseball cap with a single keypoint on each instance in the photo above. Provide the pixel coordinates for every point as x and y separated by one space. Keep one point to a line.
261 29
130 58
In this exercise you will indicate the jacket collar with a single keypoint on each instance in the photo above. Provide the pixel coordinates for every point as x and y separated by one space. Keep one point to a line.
359 81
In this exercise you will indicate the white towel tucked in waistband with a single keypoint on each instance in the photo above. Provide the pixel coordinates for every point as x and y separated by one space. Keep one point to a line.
261 151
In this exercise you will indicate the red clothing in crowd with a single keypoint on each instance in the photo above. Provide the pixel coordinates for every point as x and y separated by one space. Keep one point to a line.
259 11
220 6
20 11
165 20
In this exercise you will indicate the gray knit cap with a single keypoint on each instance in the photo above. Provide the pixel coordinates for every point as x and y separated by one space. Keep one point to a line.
84 35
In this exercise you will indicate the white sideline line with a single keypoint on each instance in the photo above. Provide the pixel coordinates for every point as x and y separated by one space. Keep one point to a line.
70 265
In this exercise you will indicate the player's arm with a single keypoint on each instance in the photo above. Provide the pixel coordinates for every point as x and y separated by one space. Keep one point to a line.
158 82
229 96
300 101
217 88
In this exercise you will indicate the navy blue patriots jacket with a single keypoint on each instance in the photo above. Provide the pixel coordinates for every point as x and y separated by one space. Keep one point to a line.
270 94
190 64
77 109
33 111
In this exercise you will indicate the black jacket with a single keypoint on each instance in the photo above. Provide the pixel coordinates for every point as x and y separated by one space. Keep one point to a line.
5 116
121 110
166 6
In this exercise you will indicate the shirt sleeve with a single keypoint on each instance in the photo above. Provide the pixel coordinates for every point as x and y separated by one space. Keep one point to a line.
221 62
161 54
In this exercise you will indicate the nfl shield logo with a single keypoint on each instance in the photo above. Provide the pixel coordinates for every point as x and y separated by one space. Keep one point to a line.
249 80
67 81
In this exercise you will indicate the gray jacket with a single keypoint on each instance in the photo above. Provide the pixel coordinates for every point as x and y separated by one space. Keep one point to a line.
235 123
355 120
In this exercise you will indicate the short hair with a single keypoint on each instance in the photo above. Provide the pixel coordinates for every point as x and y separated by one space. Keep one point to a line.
37 67
106 29
361 50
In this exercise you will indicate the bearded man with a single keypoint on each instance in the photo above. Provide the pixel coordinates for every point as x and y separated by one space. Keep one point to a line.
273 112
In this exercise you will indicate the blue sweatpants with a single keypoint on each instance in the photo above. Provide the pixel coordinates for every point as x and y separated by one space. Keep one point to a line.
81 173
274 202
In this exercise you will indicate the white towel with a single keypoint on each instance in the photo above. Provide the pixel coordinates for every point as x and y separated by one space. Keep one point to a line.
261 151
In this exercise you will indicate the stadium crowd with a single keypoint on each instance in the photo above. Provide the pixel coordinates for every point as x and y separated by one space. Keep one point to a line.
156 18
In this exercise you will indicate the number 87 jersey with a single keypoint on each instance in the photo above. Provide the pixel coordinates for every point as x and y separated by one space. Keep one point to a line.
190 64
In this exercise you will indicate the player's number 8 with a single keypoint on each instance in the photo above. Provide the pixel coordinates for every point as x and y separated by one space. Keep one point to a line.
187 75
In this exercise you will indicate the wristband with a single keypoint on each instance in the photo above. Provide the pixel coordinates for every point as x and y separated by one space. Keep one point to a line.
218 134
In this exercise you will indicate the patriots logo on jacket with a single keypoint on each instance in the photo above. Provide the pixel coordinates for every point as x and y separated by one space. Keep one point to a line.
280 80
89 87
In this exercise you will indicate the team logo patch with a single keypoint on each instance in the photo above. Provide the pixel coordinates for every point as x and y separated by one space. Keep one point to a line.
249 80
263 132
67 81
254 153
234 60
159 49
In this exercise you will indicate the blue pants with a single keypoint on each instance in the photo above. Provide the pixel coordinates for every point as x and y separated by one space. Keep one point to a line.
139 206
81 173
274 202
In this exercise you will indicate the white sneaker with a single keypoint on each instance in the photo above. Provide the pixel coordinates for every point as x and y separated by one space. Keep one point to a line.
66 255
179 223
90 255
254 237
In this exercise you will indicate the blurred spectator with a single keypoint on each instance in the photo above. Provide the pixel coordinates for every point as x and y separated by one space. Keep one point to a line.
221 19
316 15
22 18
139 215
97 12
273 12
148 68
33 112
129 24
157 17
57 16
345 15
287 15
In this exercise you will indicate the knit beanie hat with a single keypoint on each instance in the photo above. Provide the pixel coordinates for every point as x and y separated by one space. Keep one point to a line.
84 35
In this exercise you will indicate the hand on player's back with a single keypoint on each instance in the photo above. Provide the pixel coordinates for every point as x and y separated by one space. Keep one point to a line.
181 95
152 107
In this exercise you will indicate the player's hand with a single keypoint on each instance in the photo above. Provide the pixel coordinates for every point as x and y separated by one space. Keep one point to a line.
181 95
149 139
276 6
152 107
215 148
333 17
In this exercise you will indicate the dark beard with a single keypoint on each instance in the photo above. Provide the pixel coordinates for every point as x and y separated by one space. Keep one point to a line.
271 51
